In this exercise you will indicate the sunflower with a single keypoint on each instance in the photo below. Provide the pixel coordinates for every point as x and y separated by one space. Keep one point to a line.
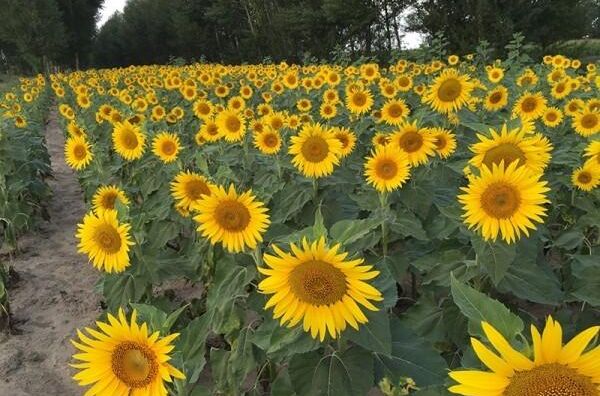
105 241
327 111
106 197
573 106
232 125
495 74
268 141
586 122
315 284
449 92
78 153
347 138
381 139
445 141
554 369
530 106
415 142
121 358
593 151
234 220
166 146
188 188
511 146
587 177
210 131
359 101
496 99
203 109
316 150
128 140
504 200
394 112
387 168
552 117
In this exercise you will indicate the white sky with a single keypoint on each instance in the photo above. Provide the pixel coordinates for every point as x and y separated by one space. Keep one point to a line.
108 8
411 39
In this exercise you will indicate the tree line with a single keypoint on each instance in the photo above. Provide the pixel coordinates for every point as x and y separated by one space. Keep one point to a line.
34 33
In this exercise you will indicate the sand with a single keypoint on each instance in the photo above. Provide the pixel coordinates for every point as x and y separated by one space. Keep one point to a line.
54 294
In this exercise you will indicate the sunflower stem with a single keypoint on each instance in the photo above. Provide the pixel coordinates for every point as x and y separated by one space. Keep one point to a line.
384 209
315 184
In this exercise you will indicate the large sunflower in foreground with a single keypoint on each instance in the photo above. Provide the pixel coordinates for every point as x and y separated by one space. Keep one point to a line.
166 146
122 358
316 150
449 91
553 370
387 168
106 197
128 140
188 188
234 220
504 201
511 146
315 284
417 143
105 241
78 153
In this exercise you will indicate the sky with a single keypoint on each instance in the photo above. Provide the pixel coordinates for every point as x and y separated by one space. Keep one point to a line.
410 40
108 8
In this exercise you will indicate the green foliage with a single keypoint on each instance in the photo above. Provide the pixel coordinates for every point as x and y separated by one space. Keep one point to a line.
466 23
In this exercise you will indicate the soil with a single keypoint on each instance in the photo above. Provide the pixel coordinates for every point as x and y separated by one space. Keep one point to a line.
54 292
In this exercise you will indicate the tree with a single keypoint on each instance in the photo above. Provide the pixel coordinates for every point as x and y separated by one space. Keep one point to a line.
466 22
35 30
79 18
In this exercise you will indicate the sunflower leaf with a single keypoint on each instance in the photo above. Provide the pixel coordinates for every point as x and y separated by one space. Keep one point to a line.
478 307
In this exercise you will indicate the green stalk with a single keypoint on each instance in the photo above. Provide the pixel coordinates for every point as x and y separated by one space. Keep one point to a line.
384 209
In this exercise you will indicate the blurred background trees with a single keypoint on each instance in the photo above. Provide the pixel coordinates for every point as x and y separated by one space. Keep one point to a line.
36 33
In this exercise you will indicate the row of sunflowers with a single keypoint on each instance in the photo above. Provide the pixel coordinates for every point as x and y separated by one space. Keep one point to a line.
24 165
319 229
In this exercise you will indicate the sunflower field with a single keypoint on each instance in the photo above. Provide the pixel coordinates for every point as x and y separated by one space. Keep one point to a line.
24 166
340 230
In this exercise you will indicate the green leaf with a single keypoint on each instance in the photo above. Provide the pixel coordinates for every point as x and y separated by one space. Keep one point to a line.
153 316
407 224
411 357
375 335
190 350
349 231
282 386
279 342
586 270
347 373
495 258
569 240
290 201
529 281
119 290
480 308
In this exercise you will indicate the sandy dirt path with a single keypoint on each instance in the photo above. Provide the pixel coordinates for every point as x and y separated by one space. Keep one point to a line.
54 294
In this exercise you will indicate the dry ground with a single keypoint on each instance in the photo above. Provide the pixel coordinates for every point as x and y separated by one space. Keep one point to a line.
54 294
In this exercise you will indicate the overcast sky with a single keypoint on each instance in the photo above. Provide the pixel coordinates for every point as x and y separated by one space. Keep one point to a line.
108 8
411 40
